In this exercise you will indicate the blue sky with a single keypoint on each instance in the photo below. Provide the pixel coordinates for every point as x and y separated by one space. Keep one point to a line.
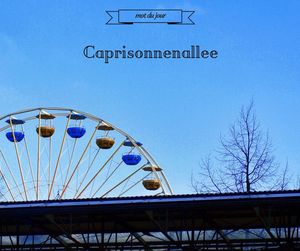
177 108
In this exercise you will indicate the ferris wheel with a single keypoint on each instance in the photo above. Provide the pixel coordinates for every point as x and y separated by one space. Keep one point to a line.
58 153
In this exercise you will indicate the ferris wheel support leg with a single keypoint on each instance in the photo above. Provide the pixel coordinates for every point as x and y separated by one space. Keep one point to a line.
79 161
101 168
59 155
19 161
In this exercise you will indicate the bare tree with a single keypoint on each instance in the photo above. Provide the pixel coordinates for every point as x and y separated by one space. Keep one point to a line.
245 160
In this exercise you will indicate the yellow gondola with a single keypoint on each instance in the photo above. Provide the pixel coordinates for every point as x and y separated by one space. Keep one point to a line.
45 116
105 142
152 168
45 131
151 184
105 127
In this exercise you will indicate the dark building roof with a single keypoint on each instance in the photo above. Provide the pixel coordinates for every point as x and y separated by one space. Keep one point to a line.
232 220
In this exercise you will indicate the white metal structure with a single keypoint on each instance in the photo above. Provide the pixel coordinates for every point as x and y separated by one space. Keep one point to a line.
41 160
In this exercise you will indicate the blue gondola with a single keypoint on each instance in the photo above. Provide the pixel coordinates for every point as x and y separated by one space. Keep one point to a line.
129 143
76 132
18 136
76 116
131 159
15 121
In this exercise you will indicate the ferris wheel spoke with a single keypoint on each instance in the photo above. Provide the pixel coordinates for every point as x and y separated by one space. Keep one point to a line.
28 158
87 170
38 158
132 186
18 158
100 169
59 155
78 163
70 160
7 186
109 176
121 182
49 164
11 174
